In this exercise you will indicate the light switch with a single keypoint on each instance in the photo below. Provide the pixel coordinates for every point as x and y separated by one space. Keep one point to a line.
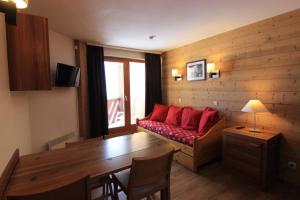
216 103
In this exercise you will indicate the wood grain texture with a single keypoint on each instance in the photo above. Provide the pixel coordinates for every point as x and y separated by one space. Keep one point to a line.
212 182
7 173
37 173
255 155
28 53
257 61
83 90
75 190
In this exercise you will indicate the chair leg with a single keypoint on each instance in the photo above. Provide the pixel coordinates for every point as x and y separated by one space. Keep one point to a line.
115 192
168 193
162 195
110 193
103 191
165 194
105 195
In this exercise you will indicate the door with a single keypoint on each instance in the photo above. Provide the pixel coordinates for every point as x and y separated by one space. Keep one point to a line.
125 86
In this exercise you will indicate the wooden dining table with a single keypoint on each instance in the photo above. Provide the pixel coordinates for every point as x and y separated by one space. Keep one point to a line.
96 158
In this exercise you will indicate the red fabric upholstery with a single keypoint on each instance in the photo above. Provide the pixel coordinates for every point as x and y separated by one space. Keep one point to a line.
190 118
208 119
159 113
174 116
169 131
209 109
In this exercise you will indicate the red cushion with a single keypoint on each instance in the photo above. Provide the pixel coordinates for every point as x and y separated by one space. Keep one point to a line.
190 118
169 131
159 113
174 116
209 109
208 119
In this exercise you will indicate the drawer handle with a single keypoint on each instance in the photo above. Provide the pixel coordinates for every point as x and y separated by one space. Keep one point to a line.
254 145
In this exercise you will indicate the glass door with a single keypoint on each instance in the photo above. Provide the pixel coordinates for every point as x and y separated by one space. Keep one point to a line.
114 73
137 90
125 86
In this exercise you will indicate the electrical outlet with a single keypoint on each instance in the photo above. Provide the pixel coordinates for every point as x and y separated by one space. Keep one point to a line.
216 103
292 165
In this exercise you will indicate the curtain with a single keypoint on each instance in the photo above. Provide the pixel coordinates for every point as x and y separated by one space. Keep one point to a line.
97 91
153 81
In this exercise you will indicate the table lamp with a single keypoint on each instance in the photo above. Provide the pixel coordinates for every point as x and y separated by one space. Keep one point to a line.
254 106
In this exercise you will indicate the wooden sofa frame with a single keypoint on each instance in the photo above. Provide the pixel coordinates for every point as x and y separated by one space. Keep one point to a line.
204 149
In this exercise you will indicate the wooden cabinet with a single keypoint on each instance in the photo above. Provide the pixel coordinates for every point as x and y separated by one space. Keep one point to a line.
28 53
255 155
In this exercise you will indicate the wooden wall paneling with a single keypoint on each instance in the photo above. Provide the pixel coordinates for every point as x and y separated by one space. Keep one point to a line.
260 60
28 53
83 96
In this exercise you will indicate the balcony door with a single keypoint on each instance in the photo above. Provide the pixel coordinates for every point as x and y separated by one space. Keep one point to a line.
125 86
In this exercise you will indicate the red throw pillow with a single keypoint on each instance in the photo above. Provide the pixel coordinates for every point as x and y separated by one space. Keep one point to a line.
209 109
174 116
208 119
190 118
159 113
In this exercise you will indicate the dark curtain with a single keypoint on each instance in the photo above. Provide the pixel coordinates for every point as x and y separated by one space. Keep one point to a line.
97 91
153 81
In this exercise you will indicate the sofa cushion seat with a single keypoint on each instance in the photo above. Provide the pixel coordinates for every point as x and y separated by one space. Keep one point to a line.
171 132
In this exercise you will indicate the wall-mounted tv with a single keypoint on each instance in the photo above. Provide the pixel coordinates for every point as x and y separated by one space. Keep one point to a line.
66 75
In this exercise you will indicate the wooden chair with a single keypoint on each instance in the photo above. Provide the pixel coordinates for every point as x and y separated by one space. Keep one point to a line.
7 173
76 190
104 182
146 177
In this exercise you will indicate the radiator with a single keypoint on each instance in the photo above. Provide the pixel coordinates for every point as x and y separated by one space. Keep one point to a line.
60 142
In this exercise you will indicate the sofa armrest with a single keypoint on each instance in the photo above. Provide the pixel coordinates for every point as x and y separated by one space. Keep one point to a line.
211 140
145 118
215 130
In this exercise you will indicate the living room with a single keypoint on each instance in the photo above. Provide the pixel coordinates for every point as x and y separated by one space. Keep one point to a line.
89 87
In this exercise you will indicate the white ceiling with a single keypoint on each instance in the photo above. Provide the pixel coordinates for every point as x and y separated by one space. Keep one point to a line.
129 23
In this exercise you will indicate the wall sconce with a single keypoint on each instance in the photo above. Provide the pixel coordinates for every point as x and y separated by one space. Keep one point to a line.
177 76
20 4
212 72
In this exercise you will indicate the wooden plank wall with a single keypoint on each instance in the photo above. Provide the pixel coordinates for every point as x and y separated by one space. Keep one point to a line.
257 61
83 94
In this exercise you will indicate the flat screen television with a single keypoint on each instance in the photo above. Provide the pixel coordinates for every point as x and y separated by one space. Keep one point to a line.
66 75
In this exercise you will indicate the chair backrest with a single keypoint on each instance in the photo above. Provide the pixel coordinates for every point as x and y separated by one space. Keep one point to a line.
8 171
151 170
76 190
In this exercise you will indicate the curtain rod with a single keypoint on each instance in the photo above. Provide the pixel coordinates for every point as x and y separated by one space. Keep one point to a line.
123 48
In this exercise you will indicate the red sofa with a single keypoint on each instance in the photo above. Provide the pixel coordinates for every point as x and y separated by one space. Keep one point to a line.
198 133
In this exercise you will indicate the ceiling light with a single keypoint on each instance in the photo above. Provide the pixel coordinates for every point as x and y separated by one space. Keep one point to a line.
20 4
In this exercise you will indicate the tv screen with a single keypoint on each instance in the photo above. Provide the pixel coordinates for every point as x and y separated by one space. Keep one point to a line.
66 75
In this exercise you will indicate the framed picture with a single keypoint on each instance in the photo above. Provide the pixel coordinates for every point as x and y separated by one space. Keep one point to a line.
196 70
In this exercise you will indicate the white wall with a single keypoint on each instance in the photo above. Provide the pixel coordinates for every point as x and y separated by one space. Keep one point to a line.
54 113
14 110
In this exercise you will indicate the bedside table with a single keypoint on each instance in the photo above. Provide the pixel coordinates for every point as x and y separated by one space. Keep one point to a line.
255 155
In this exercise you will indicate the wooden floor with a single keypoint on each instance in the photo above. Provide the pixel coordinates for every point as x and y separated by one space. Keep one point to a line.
213 183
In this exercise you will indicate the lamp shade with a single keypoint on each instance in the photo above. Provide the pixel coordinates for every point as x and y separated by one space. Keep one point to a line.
20 4
254 106
210 67
174 72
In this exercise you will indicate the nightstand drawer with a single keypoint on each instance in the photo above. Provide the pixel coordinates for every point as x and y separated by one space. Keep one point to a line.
242 167
241 156
244 146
